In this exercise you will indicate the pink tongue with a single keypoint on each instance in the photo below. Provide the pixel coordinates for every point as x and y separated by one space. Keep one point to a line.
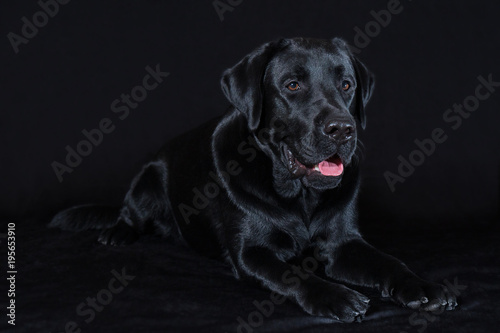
334 167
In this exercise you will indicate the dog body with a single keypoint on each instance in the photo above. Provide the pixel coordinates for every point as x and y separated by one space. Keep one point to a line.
272 181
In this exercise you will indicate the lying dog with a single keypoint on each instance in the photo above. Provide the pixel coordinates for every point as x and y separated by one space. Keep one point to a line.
273 178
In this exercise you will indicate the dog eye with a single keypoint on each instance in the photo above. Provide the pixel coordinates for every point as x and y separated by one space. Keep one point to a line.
346 85
293 86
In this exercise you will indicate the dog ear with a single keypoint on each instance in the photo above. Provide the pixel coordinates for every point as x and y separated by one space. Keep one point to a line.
242 84
364 88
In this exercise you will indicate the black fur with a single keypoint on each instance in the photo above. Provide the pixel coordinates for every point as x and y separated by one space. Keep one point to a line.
243 187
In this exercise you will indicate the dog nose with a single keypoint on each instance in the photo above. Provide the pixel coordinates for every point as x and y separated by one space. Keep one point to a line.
338 130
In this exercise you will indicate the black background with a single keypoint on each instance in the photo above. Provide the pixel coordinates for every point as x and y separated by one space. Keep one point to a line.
65 78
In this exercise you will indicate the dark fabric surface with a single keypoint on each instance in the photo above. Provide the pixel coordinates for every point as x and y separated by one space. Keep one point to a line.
176 290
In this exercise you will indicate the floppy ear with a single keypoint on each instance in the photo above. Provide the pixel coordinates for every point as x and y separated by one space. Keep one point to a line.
242 84
365 84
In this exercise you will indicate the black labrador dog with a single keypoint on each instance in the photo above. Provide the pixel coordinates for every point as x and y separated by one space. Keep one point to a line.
273 179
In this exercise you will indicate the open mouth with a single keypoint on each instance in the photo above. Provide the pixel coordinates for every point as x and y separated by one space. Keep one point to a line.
331 167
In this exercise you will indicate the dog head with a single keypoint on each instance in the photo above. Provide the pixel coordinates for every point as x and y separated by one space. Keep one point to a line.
309 98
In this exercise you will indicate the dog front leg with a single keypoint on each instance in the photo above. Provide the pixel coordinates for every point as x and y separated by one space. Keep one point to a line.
359 263
315 295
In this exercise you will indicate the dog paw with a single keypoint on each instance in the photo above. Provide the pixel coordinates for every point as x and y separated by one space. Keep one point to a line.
334 301
120 234
419 294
